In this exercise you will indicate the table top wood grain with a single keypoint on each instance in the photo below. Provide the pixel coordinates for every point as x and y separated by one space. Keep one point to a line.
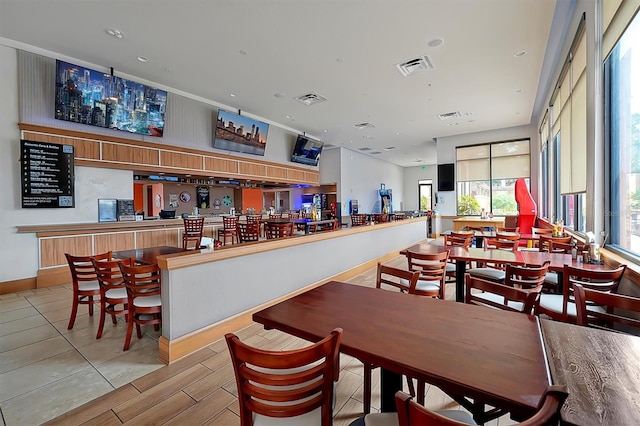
490 355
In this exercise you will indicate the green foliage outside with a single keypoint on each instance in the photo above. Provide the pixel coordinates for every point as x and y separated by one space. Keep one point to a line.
634 200
468 205
504 204
424 203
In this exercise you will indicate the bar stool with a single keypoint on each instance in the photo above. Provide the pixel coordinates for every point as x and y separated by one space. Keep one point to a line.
192 232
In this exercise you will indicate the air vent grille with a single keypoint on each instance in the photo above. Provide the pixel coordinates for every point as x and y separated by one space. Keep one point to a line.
364 149
364 126
310 98
449 115
414 66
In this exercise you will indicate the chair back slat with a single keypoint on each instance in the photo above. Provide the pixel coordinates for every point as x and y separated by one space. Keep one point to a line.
615 309
249 231
278 230
388 275
432 268
283 384
81 267
109 274
359 219
476 289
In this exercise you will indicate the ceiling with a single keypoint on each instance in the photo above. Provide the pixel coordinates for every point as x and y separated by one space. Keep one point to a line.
257 56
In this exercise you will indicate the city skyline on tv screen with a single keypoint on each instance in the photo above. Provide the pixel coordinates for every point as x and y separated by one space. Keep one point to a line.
238 133
95 98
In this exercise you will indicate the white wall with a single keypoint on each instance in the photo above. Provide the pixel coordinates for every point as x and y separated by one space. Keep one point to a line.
361 176
447 154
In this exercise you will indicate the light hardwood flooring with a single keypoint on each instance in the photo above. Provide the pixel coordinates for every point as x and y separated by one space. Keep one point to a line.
51 374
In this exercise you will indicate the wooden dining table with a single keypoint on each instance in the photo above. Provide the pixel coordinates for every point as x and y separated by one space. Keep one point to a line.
148 255
491 356
601 370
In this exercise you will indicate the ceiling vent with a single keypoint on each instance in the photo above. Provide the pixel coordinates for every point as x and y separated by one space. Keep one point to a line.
390 148
375 152
364 149
310 99
414 66
363 126
449 115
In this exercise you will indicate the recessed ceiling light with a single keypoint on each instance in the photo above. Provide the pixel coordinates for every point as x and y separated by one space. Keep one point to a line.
518 91
520 54
288 116
168 69
143 59
242 52
233 95
325 131
397 133
435 42
114 33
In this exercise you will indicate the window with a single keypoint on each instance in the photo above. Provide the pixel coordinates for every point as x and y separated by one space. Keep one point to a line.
486 176
622 117
425 200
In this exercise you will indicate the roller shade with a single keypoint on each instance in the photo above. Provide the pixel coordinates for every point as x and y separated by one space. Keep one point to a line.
619 14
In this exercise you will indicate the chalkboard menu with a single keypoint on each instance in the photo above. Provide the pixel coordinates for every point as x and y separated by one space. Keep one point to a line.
47 174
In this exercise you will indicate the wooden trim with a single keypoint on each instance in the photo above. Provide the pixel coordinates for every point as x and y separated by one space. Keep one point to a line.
53 276
632 273
120 153
15 286
173 350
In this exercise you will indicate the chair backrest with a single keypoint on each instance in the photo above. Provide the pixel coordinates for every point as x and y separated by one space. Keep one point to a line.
192 231
249 231
358 219
615 306
507 236
229 222
81 267
528 277
606 281
254 218
525 300
141 280
380 218
505 229
541 231
109 274
411 413
562 247
458 240
545 241
275 215
500 244
391 276
432 268
294 215
287 383
278 230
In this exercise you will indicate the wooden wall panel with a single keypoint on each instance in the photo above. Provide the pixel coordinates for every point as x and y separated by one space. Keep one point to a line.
180 160
276 172
113 242
158 237
129 154
52 250
220 165
297 175
82 148
312 177
252 169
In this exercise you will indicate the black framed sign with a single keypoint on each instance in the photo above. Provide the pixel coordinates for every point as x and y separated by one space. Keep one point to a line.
46 175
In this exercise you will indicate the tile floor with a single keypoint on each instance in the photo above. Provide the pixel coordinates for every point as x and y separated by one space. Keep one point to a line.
47 370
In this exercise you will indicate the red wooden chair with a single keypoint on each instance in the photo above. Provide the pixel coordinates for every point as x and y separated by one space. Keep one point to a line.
113 291
84 281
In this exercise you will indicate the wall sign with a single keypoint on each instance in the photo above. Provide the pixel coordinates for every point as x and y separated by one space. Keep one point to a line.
46 175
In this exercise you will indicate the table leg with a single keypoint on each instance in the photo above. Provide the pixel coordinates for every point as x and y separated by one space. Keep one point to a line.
390 383
461 267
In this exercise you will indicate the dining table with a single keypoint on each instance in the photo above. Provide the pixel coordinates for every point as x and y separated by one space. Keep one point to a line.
601 370
491 356
148 255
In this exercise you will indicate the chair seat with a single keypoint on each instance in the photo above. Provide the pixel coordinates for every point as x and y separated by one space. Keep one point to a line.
147 301
450 267
310 418
116 293
427 286
499 299
488 273
88 285
381 419
553 302
458 416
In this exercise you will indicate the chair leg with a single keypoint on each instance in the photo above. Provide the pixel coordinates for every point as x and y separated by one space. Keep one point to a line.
366 397
103 308
90 302
412 390
139 331
420 392
127 339
74 312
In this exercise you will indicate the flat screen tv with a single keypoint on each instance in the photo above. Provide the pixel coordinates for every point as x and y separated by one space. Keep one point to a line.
307 151
91 97
235 132
446 177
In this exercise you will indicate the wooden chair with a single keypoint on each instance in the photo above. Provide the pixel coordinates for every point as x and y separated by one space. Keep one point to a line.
605 310
359 219
380 218
289 387
275 215
432 269
462 239
494 271
84 281
228 229
545 241
192 232
495 295
294 215
504 229
562 307
113 291
144 286
256 218
278 230
402 280
533 244
249 231
411 413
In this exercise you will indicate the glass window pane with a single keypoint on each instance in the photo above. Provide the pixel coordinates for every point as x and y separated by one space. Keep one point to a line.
426 202
503 200
505 149
623 67
473 197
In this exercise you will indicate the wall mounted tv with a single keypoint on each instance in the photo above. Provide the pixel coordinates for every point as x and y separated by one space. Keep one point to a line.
446 177
91 97
235 132
307 151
